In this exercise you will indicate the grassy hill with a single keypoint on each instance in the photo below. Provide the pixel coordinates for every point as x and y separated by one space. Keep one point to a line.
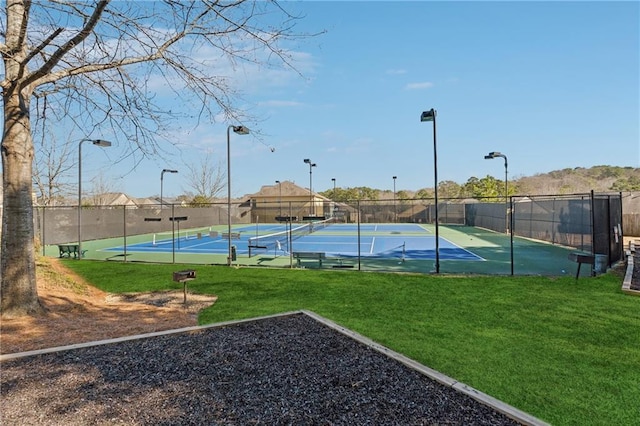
580 179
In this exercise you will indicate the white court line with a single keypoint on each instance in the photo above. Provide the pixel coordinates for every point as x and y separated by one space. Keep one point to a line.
464 249
204 243
424 228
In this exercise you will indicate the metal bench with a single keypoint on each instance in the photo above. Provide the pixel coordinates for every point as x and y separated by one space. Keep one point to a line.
234 235
299 255
66 250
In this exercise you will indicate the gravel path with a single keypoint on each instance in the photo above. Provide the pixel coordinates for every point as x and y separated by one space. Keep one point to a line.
277 371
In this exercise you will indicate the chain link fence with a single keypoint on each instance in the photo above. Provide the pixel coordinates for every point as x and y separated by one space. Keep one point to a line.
525 235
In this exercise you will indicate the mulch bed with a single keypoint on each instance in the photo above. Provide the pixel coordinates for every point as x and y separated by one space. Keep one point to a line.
276 371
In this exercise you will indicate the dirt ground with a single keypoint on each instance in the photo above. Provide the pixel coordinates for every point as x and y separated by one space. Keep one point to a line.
77 312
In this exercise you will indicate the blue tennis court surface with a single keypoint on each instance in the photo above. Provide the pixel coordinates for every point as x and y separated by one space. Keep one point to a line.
399 241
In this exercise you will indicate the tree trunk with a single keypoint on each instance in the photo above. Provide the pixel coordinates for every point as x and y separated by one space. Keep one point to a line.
19 294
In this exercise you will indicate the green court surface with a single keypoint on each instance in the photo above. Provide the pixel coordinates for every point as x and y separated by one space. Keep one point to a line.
483 251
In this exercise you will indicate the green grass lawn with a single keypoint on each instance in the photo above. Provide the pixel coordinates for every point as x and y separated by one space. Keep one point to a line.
565 351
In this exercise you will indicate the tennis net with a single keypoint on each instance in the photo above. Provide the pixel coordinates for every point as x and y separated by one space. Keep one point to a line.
280 241
160 238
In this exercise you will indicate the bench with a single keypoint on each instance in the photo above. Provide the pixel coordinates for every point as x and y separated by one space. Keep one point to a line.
66 250
580 259
286 218
298 255
234 235
253 247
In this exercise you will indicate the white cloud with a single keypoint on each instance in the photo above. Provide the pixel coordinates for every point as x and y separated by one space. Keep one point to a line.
419 86
280 104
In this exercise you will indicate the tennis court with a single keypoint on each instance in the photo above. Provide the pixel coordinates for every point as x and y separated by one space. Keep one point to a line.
335 240
390 247
474 237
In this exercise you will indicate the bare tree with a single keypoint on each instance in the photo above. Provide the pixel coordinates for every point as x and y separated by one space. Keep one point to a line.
206 179
98 61
54 158
101 191
53 163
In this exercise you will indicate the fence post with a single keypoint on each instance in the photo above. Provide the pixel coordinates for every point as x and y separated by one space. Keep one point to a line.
511 223
173 233
290 237
358 208
593 221
44 222
124 225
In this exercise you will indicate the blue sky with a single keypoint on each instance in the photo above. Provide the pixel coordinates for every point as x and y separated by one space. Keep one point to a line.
552 85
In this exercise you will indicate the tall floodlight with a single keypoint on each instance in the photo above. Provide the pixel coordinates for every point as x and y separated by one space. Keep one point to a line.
496 154
333 196
311 206
161 182
96 142
395 211
279 198
240 130
431 116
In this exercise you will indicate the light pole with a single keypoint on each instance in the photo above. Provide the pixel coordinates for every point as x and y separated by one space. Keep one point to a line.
96 142
311 206
161 184
431 116
395 211
496 154
279 198
240 130
333 196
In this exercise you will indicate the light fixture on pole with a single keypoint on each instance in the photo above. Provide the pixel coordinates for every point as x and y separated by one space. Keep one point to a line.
96 142
279 198
334 187
240 130
496 154
431 116
311 206
395 211
161 184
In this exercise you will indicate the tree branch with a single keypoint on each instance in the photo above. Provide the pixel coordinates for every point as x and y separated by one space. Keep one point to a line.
42 45
70 44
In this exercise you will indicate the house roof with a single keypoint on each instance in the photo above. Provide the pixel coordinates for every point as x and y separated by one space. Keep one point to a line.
148 201
285 189
113 199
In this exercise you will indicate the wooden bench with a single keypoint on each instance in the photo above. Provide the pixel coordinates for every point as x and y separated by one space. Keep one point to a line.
582 258
299 255
66 250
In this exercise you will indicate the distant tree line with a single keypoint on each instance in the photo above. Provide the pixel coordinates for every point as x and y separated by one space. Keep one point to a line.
565 181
